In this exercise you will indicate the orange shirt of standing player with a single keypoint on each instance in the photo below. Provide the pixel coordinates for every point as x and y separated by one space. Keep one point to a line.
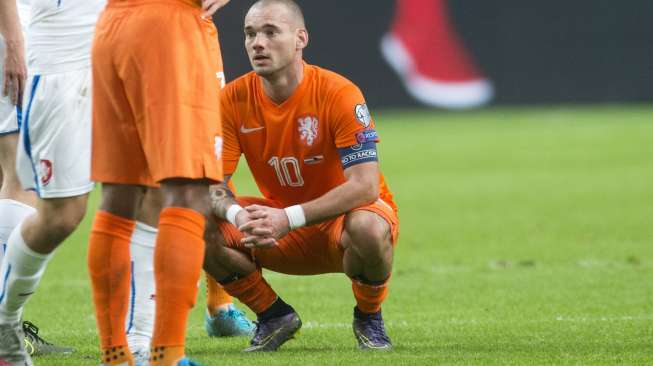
310 143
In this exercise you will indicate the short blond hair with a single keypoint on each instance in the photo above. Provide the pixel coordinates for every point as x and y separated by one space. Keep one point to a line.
291 5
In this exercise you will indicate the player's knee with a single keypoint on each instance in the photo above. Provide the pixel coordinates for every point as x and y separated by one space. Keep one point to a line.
368 234
122 200
64 215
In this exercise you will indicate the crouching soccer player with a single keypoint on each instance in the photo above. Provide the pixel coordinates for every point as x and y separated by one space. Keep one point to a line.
310 143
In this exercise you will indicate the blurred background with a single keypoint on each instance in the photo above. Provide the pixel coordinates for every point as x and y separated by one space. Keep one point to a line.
528 51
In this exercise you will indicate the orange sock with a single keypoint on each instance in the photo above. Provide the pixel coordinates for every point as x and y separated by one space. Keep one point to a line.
117 356
369 297
216 296
166 355
178 258
109 268
253 291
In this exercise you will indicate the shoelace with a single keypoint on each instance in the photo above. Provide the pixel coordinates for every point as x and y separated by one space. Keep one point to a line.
377 330
258 329
32 332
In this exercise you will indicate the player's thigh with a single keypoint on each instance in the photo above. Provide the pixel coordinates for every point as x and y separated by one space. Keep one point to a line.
175 93
8 145
304 251
55 138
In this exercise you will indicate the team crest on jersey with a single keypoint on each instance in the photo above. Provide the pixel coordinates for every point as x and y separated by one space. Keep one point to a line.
363 114
308 129
45 167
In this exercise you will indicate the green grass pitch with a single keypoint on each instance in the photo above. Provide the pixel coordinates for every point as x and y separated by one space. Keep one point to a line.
526 238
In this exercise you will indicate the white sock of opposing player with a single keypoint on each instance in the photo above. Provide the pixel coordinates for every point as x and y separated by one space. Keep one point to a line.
11 214
21 272
140 319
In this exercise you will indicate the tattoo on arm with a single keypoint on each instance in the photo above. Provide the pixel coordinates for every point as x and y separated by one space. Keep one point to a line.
221 198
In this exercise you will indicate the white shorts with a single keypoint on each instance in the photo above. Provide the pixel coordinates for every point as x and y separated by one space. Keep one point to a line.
8 117
54 156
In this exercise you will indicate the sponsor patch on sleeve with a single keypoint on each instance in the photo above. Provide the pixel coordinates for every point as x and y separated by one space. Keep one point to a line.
359 153
367 136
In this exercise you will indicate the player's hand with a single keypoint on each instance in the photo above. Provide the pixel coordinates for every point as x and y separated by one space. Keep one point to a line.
267 223
255 230
209 7
15 73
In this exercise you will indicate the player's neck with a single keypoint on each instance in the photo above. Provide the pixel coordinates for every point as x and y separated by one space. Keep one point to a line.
282 85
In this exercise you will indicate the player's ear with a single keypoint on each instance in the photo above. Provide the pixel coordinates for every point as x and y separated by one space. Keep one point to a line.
302 38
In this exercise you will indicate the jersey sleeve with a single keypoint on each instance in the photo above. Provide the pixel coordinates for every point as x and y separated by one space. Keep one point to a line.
351 122
231 150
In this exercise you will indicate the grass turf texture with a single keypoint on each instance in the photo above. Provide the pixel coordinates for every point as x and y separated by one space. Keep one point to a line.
526 239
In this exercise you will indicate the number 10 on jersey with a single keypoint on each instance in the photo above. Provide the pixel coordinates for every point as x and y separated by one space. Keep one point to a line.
287 169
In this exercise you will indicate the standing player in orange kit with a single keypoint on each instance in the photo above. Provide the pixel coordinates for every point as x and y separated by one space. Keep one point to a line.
156 121
310 143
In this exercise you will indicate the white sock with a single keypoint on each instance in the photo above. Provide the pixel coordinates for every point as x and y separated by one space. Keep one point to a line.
21 272
12 213
140 319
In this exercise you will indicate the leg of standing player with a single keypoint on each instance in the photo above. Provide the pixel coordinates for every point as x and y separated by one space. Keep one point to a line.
140 318
156 146
55 137
15 203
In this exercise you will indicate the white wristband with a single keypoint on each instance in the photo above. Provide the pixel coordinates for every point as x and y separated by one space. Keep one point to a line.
296 218
232 211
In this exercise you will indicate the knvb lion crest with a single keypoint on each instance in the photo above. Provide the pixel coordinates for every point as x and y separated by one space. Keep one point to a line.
308 129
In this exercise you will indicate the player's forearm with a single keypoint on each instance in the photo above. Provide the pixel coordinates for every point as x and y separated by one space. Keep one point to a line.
10 25
340 200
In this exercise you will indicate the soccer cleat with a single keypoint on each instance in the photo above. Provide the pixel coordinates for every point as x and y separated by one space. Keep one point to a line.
186 362
228 323
12 347
35 345
370 331
141 357
272 333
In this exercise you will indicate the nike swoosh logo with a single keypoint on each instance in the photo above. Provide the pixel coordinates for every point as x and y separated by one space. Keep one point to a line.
26 293
248 130
270 337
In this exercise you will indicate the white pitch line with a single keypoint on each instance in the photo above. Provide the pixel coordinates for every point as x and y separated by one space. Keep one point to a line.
560 318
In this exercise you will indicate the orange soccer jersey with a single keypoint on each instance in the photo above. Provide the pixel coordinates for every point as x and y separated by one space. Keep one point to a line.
292 147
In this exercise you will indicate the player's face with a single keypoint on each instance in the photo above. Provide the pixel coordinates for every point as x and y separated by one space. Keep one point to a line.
271 39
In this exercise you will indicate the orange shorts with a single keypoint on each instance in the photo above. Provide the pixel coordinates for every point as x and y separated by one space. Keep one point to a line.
156 111
308 250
